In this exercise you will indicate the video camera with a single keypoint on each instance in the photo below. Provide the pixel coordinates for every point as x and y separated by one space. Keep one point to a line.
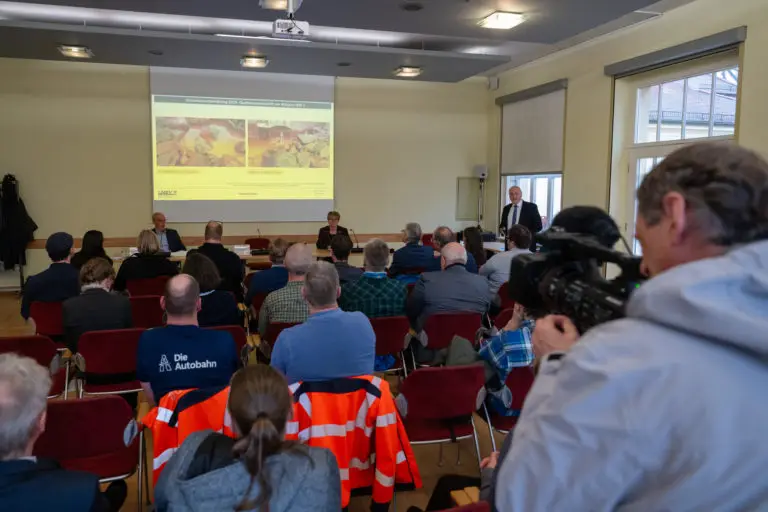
565 279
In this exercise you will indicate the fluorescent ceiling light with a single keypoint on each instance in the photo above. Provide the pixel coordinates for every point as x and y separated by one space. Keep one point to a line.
502 20
238 36
75 52
254 61
408 71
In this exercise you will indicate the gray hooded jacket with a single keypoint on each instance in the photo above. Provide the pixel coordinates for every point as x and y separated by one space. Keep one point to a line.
663 410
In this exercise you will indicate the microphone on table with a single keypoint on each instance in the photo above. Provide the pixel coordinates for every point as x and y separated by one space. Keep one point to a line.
258 231
357 248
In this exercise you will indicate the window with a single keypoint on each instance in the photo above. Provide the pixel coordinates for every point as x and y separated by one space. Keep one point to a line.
543 189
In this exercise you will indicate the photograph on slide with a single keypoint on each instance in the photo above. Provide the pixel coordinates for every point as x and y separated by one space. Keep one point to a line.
289 144
200 142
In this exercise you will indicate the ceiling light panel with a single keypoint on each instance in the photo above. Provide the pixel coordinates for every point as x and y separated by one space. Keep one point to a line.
254 61
408 71
502 20
75 52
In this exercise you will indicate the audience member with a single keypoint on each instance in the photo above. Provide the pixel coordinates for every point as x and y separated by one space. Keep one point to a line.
441 237
341 247
374 294
257 471
274 278
168 239
327 233
412 257
33 483
231 267
473 243
625 413
59 281
217 307
511 348
182 355
332 343
287 305
96 308
93 247
148 263
496 270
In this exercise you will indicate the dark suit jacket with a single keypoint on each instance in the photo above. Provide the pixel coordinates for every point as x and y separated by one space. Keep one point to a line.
266 281
454 290
43 485
324 236
347 273
80 259
413 256
231 267
144 266
57 283
529 217
174 240
219 307
94 310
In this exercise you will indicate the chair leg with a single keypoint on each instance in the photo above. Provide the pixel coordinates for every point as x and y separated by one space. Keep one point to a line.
147 500
440 457
477 442
405 366
139 479
413 358
458 453
66 378
490 427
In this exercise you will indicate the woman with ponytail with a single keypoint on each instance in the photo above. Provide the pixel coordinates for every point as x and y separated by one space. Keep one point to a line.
259 471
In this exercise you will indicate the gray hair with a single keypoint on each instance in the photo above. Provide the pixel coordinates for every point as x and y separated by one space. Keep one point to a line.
725 189
298 258
442 236
376 255
412 232
454 253
321 284
24 387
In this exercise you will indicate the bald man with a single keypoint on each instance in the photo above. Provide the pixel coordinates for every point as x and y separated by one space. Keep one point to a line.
453 290
287 305
181 355
230 265
520 212
169 239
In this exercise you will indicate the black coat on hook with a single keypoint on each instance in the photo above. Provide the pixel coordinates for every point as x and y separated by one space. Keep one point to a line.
17 229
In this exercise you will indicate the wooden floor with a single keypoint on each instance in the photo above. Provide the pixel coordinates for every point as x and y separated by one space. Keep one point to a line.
11 324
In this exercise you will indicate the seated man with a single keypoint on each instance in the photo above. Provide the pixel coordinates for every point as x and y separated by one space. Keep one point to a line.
412 256
454 290
496 269
374 294
28 482
274 278
440 238
287 304
332 343
96 308
231 267
182 355
59 281
168 239
341 246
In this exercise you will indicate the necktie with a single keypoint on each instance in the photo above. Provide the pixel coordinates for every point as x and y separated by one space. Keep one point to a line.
514 215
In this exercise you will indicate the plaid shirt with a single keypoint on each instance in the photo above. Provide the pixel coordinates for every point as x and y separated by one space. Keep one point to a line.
509 349
374 295
283 305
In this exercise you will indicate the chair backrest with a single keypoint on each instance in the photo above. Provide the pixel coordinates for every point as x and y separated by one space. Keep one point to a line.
444 392
390 334
110 352
426 239
42 350
503 318
506 302
274 330
48 318
146 311
442 327
149 286
258 300
258 243
237 332
90 435
248 278
519 383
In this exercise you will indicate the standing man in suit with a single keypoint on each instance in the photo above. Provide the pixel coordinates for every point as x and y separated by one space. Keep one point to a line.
521 212
169 239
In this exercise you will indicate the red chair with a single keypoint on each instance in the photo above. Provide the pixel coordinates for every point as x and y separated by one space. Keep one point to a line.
48 320
441 404
519 383
503 318
442 327
150 286
390 335
42 350
260 265
258 300
108 362
410 287
506 302
274 330
258 243
241 340
147 312
96 435
426 239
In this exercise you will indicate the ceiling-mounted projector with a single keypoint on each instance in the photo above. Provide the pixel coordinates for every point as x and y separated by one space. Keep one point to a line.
281 5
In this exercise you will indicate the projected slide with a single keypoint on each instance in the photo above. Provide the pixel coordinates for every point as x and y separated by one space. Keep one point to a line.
220 149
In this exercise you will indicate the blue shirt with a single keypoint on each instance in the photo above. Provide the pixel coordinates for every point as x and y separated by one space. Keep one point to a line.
185 356
329 345
266 281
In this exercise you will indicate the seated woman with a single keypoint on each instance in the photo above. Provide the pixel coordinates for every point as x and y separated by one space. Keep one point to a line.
326 234
259 470
93 247
149 262
473 243
219 307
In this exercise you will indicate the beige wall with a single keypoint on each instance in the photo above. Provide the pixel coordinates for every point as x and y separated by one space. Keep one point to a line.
589 97
77 136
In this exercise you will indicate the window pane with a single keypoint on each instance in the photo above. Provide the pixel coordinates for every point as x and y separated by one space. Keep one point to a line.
726 86
557 196
525 186
542 194
697 105
647 114
644 166
672 110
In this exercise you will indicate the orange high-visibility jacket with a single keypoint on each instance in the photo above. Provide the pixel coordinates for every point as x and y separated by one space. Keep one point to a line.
357 420
181 413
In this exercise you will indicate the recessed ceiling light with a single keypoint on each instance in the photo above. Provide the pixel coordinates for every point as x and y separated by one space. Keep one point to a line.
254 61
502 20
408 71
75 52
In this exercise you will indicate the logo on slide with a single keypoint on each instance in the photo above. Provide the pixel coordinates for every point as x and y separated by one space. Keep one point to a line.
166 192
165 366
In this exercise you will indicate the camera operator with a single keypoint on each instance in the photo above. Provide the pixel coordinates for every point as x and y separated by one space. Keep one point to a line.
664 409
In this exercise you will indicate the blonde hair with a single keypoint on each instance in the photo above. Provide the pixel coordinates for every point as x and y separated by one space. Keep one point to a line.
147 242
